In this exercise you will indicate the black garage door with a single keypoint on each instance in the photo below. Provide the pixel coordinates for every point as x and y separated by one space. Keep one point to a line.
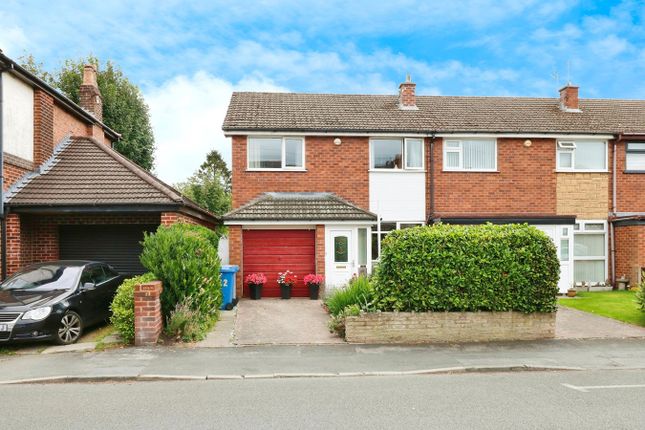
118 245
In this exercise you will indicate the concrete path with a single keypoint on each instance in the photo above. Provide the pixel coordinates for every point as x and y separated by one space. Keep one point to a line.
575 324
282 322
222 334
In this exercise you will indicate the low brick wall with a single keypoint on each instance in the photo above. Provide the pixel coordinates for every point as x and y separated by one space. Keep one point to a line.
441 327
148 321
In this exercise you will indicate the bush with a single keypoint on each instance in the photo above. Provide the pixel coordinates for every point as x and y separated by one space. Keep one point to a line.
640 296
337 322
184 257
357 292
187 324
467 268
122 306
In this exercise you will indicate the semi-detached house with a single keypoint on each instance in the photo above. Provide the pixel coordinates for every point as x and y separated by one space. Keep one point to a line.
319 179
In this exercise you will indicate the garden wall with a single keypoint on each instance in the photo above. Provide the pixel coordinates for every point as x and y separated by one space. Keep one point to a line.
441 327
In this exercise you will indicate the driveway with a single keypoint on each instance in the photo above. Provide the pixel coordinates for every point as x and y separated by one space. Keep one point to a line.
575 324
284 322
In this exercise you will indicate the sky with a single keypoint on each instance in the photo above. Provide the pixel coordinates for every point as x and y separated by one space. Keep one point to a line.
189 56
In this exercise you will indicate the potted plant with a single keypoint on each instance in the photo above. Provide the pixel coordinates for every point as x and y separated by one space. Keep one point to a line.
286 280
255 281
313 282
571 292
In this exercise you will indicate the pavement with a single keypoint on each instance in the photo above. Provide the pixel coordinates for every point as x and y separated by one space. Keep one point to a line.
323 361
575 324
602 399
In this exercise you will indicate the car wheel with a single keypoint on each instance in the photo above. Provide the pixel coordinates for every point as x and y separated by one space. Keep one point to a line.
69 329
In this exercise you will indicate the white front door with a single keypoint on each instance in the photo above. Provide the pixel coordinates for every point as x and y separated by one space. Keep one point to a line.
340 256
562 236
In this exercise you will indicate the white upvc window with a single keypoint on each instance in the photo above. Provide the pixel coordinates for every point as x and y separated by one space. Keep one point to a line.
476 155
276 153
383 228
581 156
590 251
387 153
635 157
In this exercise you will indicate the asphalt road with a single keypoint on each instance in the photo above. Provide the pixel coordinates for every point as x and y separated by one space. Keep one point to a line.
519 400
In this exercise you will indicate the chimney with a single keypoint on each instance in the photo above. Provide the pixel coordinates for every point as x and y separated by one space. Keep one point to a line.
407 99
569 98
89 95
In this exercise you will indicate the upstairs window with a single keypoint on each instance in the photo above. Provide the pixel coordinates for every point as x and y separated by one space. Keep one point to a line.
276 153
635 159
582 156
473 155
397 153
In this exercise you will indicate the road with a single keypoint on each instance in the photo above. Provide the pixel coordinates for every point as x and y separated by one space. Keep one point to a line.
598 399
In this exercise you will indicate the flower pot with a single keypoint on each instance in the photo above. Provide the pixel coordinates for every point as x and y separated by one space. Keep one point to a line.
256 291
571 292
285 291
314 291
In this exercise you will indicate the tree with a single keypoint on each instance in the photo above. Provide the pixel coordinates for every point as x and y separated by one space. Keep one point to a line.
124 109
210 185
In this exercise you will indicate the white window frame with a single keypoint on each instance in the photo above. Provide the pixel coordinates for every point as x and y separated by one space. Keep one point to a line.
380 234
283 151
460 151
571 146
404 150
580 228
633 151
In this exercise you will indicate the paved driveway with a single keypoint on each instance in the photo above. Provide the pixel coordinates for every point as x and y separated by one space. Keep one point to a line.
286 322
575 324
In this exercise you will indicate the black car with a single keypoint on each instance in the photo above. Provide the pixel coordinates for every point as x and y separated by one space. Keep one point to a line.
56 300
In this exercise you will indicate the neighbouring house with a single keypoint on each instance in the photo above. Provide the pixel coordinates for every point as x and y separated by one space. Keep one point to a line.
67 194
319 179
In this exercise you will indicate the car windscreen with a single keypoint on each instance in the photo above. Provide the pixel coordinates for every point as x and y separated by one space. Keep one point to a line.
44 278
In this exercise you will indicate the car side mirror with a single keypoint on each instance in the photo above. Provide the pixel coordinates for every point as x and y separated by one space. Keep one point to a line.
89 286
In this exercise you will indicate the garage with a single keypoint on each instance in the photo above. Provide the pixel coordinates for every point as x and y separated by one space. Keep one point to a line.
118 245
273 251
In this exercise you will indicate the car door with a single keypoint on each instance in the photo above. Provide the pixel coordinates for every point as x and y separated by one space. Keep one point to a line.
92 297
109 284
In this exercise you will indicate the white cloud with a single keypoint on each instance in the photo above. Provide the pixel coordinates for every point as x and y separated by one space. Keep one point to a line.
13 40
187 114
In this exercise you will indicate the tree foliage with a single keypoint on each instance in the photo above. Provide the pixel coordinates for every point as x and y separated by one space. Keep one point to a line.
210 185
124 109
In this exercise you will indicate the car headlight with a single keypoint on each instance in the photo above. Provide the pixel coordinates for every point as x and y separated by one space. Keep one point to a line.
37 314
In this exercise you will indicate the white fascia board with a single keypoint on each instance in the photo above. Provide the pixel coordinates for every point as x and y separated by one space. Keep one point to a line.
299 223
526 135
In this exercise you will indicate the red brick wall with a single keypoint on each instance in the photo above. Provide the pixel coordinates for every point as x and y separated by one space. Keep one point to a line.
320 250
525 182
235 255
630 192
148 320
630 251
340 169
14 169
65 124
43 126
169 218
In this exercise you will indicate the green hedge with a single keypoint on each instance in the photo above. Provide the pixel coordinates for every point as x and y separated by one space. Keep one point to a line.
467 268
184 258
122 306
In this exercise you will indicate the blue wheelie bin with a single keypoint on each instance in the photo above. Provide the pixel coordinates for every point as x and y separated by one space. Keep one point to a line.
227 274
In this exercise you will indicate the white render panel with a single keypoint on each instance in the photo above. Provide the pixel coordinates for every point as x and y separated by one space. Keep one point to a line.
18 117
398 196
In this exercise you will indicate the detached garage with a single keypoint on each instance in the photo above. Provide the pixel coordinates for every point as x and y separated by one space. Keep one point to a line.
90 203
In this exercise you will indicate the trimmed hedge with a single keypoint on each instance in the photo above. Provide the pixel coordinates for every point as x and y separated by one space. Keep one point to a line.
122 306
184 258
467 268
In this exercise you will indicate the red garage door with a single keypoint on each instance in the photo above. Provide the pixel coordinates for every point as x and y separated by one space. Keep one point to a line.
273 251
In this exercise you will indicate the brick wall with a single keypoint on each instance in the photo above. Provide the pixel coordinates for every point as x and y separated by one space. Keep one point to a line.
65 124
14 169
169 218
583 194
320 250
441 327
629 194
340 169
630 251
148 320
235 255
523 185
43 126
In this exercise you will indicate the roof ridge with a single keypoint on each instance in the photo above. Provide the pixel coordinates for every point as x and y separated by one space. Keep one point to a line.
45 167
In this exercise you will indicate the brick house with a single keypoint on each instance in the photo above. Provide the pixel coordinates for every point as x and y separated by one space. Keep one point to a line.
575 168
67 194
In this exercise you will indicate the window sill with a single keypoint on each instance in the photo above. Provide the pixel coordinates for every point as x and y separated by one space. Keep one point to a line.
581 171
397 170
633 171
469 171
276 170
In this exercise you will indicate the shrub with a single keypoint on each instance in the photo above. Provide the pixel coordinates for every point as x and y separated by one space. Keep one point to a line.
184 257
357 292
467 268
640 296
122 306
187 324
337 322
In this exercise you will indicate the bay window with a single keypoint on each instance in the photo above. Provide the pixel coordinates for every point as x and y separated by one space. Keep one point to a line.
472 154
587 155
635 157
276 153
590 251
397 153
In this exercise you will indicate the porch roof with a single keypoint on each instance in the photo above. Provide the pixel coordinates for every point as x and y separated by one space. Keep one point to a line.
306 206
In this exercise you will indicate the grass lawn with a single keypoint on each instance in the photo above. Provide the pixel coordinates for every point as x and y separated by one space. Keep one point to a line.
619 305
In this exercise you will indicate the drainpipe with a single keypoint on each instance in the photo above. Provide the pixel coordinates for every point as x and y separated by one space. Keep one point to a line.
612 229
431 214
3 246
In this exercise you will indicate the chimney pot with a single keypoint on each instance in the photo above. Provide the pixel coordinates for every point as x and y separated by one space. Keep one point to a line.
569 98
407 96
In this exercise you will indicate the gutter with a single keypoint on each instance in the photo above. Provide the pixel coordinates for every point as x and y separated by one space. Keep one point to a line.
431 181
612 227
3 227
